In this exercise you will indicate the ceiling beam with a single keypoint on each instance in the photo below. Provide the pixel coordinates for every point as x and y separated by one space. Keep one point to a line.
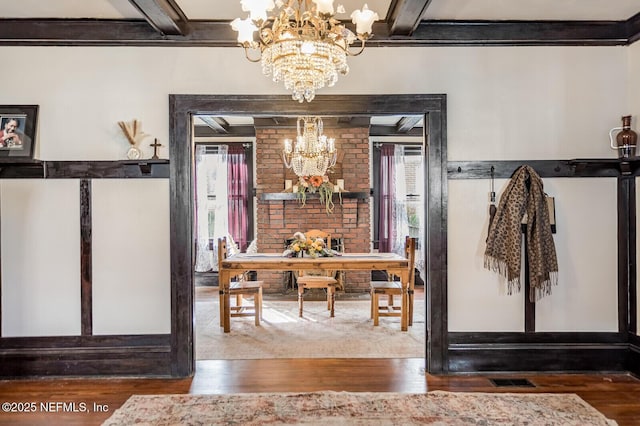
521 33
391 131
234 131
165 16
404 16
407 123
217 124
328 122
88 32
633 28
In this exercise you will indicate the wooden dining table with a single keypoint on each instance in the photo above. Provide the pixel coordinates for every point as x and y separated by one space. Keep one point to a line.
244 262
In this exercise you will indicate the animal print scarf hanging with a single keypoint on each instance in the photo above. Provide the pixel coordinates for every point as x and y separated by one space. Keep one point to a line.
523 195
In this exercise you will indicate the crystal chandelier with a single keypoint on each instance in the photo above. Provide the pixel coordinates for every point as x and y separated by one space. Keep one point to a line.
302 45
313 152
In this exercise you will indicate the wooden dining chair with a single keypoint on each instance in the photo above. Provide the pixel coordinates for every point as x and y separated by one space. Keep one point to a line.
240 288
325 279
392 288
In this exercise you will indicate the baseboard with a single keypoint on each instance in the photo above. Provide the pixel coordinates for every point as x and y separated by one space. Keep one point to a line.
145 355
537 352
633 355
538 358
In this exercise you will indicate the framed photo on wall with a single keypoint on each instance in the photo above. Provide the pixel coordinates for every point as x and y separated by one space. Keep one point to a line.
17 132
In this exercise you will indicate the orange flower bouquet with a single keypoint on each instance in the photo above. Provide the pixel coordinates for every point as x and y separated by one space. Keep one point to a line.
320 185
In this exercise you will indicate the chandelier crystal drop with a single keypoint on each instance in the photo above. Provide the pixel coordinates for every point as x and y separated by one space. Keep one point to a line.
302 44
313 153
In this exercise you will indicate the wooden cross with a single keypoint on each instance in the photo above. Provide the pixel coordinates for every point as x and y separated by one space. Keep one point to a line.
155 146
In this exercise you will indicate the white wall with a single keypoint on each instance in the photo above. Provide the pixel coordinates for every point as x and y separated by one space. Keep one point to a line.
131 271
585 298
477 298
503 103
40 240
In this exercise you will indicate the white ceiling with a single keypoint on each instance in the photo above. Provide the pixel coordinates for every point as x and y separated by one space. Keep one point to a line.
616 10
101 9
527 10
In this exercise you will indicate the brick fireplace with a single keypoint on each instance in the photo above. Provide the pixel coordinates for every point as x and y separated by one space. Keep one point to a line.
277 220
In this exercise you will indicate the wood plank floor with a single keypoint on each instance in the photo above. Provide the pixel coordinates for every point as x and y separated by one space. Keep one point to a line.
615 395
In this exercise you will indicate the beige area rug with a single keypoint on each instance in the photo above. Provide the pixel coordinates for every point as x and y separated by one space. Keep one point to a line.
342 408
282 334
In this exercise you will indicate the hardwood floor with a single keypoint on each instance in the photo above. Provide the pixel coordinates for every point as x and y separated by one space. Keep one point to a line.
616 395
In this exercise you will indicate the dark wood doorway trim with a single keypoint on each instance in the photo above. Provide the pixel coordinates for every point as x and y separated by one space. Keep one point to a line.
181 110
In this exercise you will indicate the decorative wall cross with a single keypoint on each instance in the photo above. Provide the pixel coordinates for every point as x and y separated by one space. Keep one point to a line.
155 146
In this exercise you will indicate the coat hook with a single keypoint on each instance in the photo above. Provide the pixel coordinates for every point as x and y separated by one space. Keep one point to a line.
459 169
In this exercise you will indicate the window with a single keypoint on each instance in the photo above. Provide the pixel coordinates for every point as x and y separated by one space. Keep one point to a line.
412 159
224 199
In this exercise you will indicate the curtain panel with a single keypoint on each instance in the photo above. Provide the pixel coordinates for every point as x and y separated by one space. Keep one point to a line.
237 188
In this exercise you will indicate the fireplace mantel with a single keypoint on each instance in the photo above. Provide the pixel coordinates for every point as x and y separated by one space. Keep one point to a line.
283 196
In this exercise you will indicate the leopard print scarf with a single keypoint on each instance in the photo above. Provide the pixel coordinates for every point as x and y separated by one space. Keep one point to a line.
524 194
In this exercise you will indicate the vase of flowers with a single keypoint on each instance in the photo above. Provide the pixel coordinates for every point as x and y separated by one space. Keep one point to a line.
312 247
319 185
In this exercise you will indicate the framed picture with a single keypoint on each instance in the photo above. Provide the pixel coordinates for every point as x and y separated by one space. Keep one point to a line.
17 132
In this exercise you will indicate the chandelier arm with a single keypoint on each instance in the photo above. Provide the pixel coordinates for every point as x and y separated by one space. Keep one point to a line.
359 51
246 54
284 160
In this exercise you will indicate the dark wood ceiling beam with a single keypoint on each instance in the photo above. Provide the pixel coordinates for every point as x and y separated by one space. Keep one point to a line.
165 16
86 32
404 16
216 124
77 32
518 33
633 28
407 123
392 131
328 122
234 131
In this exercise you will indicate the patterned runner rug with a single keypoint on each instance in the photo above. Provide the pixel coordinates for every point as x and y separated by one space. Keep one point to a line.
343 408
282 334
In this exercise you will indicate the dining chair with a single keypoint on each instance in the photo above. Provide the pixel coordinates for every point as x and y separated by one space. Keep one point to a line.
325 279
240 288
392 288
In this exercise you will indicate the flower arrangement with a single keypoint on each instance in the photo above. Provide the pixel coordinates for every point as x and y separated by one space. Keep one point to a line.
314 247
322 186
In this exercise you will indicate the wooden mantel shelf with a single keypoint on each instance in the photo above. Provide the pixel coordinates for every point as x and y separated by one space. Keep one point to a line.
149 168
284 196
33 169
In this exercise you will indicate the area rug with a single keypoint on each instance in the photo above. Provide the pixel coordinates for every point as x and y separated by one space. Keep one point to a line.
343 408
282 334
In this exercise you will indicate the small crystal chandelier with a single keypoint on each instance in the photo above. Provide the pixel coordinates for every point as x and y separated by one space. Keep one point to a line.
303 44
313 152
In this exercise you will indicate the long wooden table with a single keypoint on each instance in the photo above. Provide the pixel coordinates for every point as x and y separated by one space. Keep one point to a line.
244 262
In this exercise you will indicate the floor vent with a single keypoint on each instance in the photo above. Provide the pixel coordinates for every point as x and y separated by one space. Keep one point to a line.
512 383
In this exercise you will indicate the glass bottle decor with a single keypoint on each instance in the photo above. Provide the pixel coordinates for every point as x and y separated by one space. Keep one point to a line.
625 140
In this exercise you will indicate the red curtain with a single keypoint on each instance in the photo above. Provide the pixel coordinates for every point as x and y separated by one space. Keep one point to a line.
386 205
238 184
